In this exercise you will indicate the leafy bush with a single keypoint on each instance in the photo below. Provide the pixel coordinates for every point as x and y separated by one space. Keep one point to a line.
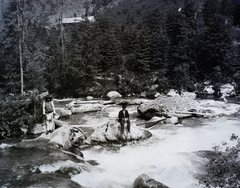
17 113
223 168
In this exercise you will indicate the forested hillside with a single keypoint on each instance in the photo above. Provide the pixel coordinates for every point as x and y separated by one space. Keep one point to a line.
133 46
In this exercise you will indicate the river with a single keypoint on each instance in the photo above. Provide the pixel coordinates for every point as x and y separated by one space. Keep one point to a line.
170 156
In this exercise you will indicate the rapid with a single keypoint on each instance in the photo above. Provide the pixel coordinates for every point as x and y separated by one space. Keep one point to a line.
171 156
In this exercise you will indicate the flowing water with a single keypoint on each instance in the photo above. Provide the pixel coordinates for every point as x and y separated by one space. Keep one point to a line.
170 156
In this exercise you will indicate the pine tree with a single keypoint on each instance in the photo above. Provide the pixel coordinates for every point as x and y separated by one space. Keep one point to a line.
12 79
228 8
237 14
25 34
211 9
185 29
217 40
11 39
151 46
107 45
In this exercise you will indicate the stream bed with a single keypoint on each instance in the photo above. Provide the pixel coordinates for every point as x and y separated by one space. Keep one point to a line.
171 156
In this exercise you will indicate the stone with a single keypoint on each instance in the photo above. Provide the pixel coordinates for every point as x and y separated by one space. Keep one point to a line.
172 93
209 90
172 120
89 98
157 94
110 133
147 182
48 180
63 112
86 108
113 95
71 170
77 103
65 136
132 101
60 136
227 90
168 107
78 136
154 120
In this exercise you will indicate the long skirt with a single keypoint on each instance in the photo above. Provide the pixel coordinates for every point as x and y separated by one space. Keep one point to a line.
49 122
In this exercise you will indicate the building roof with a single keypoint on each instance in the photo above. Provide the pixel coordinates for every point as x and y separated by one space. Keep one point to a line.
78 19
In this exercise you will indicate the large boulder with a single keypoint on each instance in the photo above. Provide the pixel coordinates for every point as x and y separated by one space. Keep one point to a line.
110 133
113 95
227 90
178 106
60 136
65 136
209 90
31 159
147 182
49 179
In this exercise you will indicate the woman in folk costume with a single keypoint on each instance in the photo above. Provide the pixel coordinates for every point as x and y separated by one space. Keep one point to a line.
123 117
49 112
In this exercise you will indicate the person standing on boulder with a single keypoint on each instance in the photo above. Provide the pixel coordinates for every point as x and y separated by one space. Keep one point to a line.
123 117
49 112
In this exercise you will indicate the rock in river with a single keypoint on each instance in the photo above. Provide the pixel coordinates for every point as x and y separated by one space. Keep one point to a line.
178 106
110 133
147 182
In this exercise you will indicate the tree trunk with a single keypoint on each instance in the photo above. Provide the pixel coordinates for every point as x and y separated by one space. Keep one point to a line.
20 50
21 63
62 34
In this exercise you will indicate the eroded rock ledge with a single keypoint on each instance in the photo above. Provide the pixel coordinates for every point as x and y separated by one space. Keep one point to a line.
177 106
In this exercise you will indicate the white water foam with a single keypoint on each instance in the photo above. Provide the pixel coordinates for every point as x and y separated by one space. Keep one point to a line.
168 156
55 166
219 107
62 164
3 145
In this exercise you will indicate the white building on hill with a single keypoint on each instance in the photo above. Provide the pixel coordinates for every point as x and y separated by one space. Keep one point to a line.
78 19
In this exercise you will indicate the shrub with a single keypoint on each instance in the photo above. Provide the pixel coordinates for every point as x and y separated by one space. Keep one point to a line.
222 170
17 113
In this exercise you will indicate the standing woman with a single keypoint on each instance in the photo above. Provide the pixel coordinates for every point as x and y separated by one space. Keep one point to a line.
49 112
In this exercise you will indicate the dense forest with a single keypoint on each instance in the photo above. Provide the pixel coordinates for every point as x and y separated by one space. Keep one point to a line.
133 46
